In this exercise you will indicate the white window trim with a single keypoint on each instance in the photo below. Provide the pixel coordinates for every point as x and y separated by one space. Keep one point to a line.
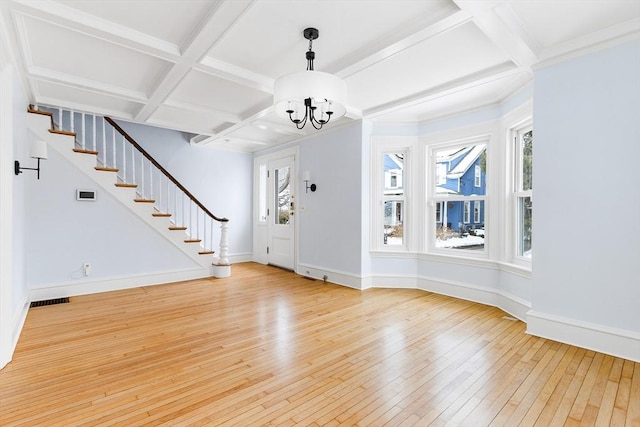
477 207
380 146
472 136
477 176
514 129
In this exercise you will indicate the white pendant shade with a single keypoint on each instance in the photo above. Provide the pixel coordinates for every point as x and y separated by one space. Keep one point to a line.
39 149
291 90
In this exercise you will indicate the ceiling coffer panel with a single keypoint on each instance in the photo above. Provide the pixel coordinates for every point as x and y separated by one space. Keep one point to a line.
76 54
211 92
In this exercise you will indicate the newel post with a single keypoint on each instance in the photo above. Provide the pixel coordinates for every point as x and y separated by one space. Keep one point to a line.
221 267
224 244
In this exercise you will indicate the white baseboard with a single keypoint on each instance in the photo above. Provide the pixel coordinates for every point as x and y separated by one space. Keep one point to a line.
334 276
510 304
16 329
616 342
66 289
237 258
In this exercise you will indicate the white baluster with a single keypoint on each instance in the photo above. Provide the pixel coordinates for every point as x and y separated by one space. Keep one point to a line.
83 143
224 244
95 143
159 198
142 176
60 122
124 161
204 231
113 145
151 192
197 223
104 142
133 165
72 120
175 205
211 238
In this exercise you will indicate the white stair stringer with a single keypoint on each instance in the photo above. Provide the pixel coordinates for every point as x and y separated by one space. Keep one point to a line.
64 144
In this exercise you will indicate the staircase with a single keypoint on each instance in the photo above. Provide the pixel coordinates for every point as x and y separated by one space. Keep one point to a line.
120 166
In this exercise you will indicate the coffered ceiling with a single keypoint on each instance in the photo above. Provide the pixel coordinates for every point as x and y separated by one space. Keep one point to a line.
208 66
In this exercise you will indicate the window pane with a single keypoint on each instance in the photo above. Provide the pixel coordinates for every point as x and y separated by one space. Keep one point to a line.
453 232
393 218
393 173
282 182
525 208
461 171
527 160
262 193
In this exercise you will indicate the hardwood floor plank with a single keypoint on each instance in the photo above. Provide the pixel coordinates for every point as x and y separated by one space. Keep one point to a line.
268 347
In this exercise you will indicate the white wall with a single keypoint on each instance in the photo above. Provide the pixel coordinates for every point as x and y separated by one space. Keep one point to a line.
221 180
586 180
330 227
13 134
63 233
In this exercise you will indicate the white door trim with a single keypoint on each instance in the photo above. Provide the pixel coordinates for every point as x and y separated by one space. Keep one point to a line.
260 235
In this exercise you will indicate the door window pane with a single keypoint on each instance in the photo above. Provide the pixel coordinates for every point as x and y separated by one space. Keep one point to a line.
283 190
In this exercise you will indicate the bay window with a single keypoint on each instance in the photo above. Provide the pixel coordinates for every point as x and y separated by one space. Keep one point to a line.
523 191
457 195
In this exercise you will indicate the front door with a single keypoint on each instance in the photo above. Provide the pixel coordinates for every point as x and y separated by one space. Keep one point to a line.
280 213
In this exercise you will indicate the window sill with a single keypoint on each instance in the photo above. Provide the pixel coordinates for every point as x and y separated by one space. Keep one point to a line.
510 268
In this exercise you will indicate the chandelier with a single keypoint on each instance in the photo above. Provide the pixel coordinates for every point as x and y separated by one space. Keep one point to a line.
310 96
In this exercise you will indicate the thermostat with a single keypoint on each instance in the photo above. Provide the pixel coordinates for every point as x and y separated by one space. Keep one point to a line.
86 195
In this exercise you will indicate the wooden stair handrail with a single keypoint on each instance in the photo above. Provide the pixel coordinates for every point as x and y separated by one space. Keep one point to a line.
163 170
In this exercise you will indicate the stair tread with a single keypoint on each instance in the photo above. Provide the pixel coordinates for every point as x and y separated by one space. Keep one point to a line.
192 240
144 200
175 227
42 113
206 252
83 151
161 215
62 132
125 185
106 169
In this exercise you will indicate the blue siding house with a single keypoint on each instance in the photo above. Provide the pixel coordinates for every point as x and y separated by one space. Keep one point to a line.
461 172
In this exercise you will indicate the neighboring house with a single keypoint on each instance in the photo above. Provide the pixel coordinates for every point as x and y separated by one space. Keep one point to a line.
461 172
393 188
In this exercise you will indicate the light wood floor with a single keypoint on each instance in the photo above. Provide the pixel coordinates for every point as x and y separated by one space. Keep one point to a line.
267 347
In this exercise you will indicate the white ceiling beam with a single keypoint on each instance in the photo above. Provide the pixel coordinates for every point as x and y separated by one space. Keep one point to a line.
220 114
491 74
221 17
92 109
248 121
57 77
224 70
11 45
60 14
610 36
370 58
507 34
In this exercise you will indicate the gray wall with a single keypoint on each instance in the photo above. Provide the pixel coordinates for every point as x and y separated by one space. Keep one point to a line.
586 181
221 180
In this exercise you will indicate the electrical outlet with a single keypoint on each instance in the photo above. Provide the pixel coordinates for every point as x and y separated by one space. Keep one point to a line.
87 268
